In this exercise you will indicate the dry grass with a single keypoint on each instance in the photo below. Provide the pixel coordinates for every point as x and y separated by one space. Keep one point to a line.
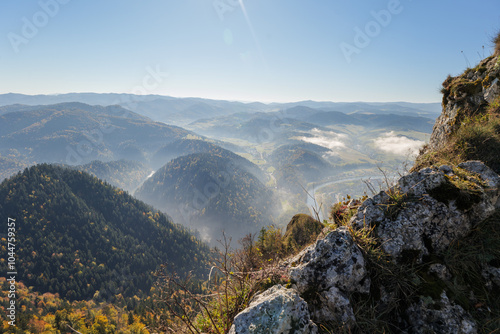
496 41
477 138
466 259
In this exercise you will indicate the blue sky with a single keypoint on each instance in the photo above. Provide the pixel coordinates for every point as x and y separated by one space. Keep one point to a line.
248 50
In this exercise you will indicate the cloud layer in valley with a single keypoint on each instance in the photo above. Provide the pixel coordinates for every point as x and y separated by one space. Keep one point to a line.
328 139
401 145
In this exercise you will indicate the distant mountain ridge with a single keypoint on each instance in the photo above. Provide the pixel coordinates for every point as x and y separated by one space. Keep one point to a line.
77 133
181 111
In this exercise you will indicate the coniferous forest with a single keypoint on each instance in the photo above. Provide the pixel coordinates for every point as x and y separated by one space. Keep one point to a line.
82 238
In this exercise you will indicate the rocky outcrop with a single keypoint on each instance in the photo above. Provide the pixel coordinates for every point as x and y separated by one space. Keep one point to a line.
466 95
277 310
419 217
416 275
430 208
328 272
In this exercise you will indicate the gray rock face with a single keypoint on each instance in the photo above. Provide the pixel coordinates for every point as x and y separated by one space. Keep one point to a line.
330 270
277 310
475 89
428 316
484 172
424 223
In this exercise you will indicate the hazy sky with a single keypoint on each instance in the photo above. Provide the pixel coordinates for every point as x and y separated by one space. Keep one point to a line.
251 50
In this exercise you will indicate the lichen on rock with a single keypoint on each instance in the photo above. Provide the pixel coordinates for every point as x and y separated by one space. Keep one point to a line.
438 213
465 95
327 272
277 310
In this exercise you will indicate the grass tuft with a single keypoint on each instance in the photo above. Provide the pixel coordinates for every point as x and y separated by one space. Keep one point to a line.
465 260
463 187
477 138
496 41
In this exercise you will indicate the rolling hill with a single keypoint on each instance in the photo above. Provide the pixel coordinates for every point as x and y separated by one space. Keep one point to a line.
76 133
210 193
190 146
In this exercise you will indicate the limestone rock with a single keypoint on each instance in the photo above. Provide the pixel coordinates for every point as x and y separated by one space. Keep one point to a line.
484 172
465 95
492 276
440 271
493 91
422 227
429 316
430 215
276 310
330 270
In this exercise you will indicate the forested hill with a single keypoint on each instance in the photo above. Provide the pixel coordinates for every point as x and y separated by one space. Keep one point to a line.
210 193
183 147
77 235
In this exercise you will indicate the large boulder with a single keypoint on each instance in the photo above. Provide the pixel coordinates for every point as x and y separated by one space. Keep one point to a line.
327 272
277 310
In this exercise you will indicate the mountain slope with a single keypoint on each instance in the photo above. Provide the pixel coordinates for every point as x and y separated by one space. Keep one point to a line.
210 193
189 146
127 175
78 236
76 133
9 166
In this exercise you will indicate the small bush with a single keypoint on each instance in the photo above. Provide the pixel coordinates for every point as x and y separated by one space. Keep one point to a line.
210 307
301 231
398 200
236 276
341 212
